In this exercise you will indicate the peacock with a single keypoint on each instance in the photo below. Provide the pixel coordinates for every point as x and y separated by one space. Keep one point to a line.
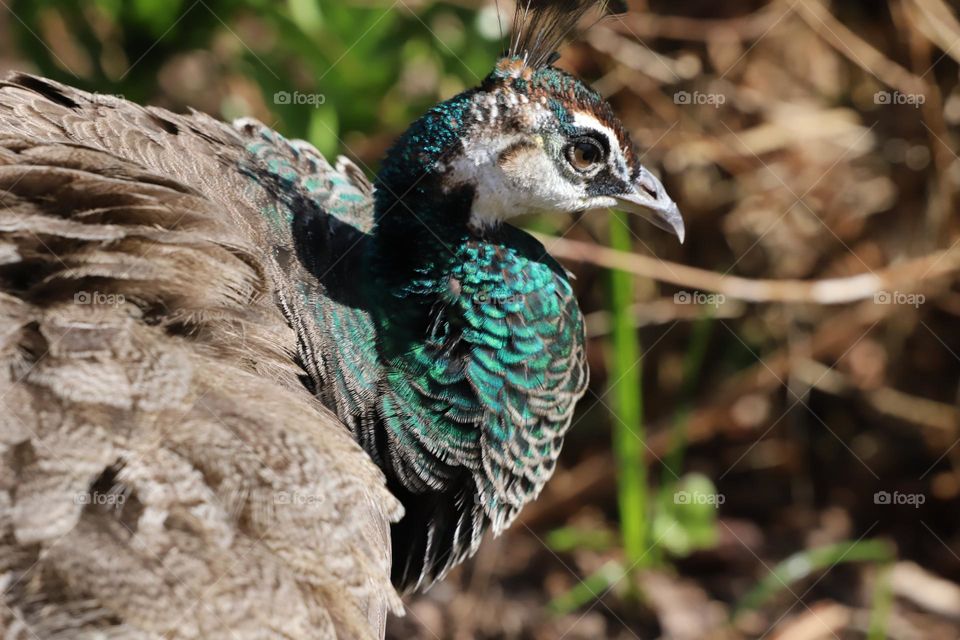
248 393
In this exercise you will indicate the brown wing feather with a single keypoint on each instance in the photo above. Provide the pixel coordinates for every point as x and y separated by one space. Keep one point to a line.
163 472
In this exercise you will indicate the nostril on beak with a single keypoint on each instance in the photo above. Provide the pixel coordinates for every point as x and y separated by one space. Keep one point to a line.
648 197
650 185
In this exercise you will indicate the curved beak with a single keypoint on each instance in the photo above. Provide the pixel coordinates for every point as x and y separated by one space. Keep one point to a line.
650 200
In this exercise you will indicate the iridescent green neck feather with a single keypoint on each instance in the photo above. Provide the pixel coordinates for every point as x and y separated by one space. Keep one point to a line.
448 341
485 349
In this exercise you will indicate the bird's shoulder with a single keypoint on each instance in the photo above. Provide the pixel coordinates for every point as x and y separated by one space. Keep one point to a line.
340 190
148 364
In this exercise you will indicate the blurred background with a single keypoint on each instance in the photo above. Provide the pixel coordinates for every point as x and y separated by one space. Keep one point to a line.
769 446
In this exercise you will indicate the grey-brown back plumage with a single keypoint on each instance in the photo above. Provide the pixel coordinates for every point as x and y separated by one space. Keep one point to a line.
163 470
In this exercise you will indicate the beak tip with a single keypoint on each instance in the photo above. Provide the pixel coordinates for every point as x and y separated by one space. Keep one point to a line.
674 223
649 199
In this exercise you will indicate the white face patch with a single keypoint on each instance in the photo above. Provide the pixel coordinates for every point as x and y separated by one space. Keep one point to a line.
513 175
517 173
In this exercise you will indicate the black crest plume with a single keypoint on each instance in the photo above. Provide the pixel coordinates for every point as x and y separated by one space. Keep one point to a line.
540 26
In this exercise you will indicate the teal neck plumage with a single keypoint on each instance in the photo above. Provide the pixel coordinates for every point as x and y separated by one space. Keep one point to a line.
485 349
455 355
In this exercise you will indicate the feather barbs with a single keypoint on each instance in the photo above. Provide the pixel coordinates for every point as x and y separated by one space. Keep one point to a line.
541 26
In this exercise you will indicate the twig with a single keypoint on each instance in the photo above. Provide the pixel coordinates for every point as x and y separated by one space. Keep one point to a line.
856 49
647 24
924 412
906 277
659 312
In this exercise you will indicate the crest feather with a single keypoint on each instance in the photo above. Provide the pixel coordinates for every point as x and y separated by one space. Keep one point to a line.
541 26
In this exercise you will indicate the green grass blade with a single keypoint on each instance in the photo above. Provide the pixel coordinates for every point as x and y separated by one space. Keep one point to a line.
590 588
881 606
692 366
567 539
802 565
626 389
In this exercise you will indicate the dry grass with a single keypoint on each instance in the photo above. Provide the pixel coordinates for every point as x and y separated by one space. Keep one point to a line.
811 147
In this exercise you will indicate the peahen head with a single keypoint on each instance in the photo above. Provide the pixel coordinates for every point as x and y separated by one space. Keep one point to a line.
529 139
480 349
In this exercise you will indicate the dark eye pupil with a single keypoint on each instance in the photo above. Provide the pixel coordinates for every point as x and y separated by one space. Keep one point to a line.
587 152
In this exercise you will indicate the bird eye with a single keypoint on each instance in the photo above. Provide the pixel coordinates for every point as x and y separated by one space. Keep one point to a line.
583 154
